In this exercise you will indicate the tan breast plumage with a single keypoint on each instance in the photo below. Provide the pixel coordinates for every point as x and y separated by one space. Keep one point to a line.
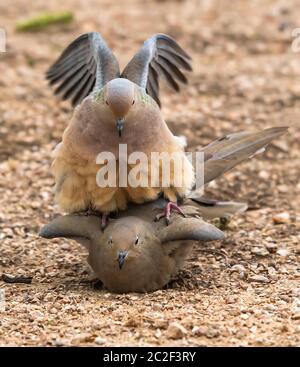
89 134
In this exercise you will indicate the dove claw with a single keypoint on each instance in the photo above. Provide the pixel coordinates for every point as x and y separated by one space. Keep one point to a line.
159 216
167 212
104 221
88 212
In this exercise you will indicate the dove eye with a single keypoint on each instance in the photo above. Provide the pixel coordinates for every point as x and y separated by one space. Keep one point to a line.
133 102
110 241
136 240
107 103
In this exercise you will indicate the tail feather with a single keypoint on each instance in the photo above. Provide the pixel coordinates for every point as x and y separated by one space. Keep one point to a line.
225 153
210 209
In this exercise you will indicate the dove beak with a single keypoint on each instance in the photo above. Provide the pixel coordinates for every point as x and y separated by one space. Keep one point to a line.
121 258
120 125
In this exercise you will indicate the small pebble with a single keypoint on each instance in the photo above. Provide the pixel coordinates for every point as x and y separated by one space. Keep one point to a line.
259 278
100 341
281 218
271 247
260 251
283 252
176 331
238 268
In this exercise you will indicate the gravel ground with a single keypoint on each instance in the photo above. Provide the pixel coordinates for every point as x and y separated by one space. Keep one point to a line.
242 291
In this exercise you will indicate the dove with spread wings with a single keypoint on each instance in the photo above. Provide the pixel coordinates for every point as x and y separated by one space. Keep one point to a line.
114 108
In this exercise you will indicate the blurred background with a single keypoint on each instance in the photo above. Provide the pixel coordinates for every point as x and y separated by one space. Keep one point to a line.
245 77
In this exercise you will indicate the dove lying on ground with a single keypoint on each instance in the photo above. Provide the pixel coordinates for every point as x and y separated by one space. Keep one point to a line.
135 253
116 108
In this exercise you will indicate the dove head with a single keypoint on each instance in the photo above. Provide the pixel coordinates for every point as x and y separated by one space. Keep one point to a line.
119 96
127 255
126 241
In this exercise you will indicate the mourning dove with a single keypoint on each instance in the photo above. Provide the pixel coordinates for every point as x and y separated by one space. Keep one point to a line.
137 254
134 253
117 108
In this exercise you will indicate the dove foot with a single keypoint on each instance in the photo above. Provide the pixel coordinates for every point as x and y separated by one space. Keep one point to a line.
104 221
167 212
88 213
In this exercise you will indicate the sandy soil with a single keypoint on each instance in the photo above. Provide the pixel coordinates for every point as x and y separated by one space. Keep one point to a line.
242 291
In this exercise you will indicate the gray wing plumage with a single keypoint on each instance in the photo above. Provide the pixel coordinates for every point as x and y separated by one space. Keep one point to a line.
225 153
87 63
160 56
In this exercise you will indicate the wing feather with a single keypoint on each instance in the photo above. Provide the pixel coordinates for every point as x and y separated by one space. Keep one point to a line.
159 57
87 63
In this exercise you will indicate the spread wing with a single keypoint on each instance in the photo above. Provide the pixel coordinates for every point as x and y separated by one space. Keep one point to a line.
87 63
160 57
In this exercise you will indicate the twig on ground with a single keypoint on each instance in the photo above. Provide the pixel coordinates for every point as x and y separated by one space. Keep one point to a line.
44 20
16 279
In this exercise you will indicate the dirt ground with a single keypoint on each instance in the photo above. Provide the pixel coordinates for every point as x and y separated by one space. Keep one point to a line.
243 291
